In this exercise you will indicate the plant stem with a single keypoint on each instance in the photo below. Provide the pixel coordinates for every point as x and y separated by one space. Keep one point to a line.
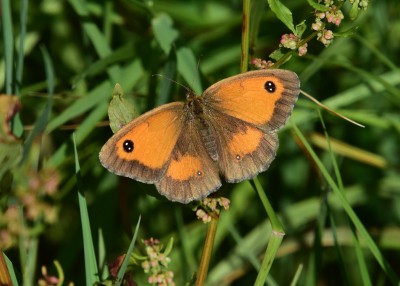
207 250
245 36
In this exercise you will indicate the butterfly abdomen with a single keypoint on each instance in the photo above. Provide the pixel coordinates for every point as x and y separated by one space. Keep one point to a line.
196 107
208 139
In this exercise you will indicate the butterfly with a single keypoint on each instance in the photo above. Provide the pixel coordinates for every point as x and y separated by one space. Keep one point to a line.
185 147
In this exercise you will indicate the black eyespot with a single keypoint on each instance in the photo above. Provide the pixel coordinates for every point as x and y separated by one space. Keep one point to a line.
270 86
238 157
128 146
199 173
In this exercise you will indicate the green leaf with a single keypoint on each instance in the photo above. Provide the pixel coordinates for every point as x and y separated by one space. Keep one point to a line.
91 271
317 6
164 32
277 54
124 265
188 69
120 111
300 28
100 93
348 33
283 13
354 10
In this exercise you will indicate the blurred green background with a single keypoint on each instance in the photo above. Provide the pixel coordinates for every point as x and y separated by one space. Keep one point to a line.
93 45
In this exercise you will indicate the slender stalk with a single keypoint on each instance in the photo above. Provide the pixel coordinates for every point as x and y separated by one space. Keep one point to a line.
207 251
8 43
30 266
270 253
245 36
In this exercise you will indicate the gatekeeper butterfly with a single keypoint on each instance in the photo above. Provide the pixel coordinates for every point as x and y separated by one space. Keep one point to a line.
230 130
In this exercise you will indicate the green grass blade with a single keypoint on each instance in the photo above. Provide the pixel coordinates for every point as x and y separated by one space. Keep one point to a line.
381 56
276 224
20 55
297 275
8 43
362 265
81 133
275 238
187 257
350 212
91 271
270 253
31 258
11 272
107 20
244 61
124 265
341 259
43 119
100 94
8 50
123 54
188 69
104 273
98 40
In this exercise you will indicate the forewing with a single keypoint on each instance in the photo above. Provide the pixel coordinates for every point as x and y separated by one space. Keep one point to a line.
153 135
264 98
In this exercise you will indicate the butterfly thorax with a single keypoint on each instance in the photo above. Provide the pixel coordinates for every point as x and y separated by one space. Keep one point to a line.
198 116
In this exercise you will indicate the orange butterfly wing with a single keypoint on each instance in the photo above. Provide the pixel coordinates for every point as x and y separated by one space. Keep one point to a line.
264 98
164 148
191 173
234 124
153 136
245 112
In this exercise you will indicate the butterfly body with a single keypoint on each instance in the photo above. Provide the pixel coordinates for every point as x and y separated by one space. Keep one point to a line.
230 130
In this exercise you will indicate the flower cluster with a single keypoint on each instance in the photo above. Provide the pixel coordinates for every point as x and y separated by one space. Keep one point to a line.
40 186
210 207
33 196
362 4
52 280
10 227
327 17
292 42
156 263
332 15
262 64
48 280
113 268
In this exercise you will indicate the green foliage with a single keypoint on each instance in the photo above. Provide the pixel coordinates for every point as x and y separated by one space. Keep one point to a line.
335 187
